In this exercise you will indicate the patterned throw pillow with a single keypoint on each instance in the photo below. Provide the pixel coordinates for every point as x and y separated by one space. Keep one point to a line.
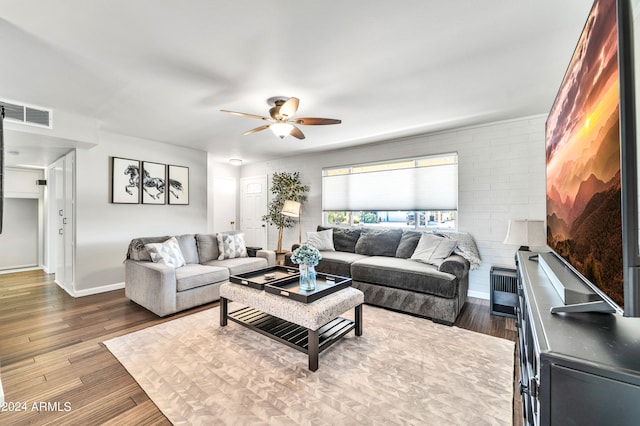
167 253
231 245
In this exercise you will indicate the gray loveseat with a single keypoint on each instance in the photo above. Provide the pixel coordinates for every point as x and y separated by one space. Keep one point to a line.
378 261
165 290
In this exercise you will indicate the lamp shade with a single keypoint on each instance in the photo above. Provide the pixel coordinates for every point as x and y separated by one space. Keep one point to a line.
291 208
526 233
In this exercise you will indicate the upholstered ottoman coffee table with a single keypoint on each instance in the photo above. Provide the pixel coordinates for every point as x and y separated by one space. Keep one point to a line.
307 327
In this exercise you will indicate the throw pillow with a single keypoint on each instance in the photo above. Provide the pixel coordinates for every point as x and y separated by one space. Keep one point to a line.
378 242
344 238
167 253
408 244
231 245
433 250
322 240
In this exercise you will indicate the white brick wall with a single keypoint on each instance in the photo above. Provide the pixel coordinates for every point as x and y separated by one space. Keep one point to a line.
501 170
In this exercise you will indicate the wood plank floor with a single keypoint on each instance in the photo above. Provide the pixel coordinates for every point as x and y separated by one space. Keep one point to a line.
53 361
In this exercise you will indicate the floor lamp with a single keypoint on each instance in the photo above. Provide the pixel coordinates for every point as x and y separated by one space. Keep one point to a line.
293 209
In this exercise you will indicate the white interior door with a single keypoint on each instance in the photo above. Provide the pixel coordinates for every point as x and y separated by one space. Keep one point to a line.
224 203
253 205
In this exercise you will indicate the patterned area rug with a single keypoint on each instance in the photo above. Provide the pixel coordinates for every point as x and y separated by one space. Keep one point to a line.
403 370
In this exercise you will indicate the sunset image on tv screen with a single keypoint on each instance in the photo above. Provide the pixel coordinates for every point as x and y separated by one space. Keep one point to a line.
584 222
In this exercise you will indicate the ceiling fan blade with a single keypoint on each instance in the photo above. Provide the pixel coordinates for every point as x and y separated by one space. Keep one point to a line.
257 129
243 114
297 133
314 121
289 108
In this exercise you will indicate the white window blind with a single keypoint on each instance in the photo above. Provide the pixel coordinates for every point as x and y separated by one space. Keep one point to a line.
432 187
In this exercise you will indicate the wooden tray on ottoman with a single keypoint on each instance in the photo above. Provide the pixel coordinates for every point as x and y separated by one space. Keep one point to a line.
325 285
256 279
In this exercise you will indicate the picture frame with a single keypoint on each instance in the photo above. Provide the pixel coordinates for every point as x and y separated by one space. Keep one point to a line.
125 181
153 183
178 187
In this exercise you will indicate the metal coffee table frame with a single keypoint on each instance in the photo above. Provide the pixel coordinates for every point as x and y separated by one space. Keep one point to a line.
310 342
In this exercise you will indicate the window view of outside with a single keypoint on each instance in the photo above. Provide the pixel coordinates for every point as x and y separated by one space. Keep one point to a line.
395 219
399 218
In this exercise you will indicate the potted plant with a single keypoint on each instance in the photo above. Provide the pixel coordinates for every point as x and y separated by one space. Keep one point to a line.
284 186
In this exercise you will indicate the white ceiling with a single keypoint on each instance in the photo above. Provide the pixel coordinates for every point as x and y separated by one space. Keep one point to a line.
162 70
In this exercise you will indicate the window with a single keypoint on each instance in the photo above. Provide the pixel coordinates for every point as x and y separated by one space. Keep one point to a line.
411 193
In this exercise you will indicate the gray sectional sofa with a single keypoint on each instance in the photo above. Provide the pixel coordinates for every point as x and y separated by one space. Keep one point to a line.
165 290
379 262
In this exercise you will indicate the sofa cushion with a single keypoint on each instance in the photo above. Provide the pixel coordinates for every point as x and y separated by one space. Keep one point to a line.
231 245
344 238
407 244
240 265
322 240
405 274
166 253
378 242
192 276
188 248
433 249
337 262
207 247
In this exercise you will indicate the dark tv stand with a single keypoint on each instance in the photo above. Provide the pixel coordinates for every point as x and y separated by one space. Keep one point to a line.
581 369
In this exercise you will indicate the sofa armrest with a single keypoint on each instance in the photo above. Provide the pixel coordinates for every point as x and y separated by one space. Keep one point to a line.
455 265
151 285
270 255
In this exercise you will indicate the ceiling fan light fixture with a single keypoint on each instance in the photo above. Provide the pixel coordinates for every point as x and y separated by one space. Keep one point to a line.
281 130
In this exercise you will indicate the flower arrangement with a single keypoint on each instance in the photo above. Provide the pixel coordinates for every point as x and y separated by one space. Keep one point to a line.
307 255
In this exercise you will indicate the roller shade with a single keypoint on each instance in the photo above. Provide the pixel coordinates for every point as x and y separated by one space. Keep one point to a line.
420 188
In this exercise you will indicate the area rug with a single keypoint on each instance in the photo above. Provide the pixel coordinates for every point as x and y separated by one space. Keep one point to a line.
402 370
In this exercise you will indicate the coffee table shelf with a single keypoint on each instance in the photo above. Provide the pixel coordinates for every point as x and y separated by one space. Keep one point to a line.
292 335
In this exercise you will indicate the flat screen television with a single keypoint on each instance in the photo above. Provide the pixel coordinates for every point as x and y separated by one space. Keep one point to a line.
591 178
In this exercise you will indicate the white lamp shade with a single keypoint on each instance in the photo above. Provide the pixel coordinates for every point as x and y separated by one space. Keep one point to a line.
291 208
526 233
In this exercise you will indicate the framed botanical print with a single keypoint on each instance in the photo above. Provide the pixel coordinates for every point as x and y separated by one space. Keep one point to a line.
178 185
125 181
154 176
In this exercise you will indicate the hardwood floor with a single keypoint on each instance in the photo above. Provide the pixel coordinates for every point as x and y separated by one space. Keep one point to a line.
55 369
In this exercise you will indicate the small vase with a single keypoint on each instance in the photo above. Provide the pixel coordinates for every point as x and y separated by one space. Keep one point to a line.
307 277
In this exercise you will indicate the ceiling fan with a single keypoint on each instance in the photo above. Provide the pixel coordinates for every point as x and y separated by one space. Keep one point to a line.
281 118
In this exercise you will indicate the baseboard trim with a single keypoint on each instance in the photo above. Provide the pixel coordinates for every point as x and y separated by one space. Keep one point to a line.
97 290
478 294
13 270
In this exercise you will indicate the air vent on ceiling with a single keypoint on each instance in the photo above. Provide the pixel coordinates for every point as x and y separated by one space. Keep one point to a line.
26 114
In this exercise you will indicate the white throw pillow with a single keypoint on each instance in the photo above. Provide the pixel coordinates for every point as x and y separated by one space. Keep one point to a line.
433 250
167 253
231 245
322 240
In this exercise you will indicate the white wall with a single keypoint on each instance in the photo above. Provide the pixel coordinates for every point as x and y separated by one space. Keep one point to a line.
501 171
103 229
